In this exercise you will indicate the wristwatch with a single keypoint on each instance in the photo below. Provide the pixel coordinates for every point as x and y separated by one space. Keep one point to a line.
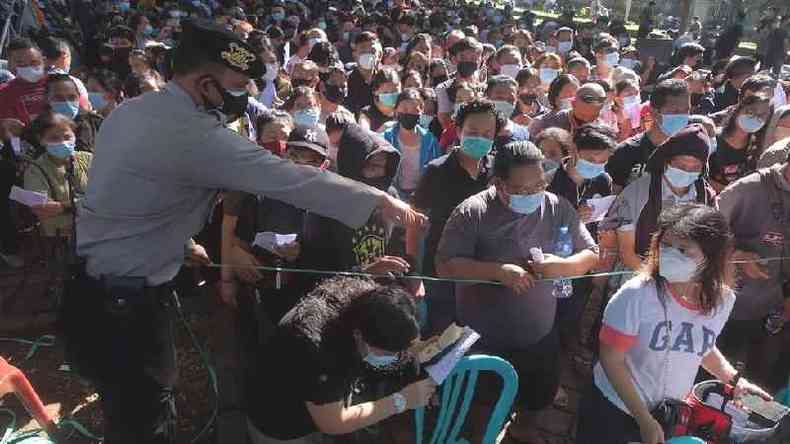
399 402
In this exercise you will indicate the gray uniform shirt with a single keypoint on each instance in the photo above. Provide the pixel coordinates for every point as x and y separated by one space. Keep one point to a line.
484 229
760 220
158 164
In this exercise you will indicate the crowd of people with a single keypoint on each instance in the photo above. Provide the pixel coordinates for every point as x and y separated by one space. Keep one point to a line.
491 148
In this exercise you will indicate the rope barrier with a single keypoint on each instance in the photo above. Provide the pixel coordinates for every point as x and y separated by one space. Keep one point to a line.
43 341
409 276
454 280
212 374
35 436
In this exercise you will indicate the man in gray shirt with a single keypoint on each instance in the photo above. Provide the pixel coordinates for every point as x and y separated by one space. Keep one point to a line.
758 208
490 236
158 165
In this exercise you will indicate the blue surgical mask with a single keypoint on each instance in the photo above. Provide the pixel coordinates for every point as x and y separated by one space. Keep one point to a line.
278 16
149 30
62 150
612 58
547 75
674 266
124 6
550 166
97 100
671 124
476 147
379 361
68 109
565 47
425 120
750 124
628 62
526 203
307 117
389 99
504 108
680 178
589 170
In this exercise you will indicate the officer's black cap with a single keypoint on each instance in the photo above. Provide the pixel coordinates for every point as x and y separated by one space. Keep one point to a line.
224 47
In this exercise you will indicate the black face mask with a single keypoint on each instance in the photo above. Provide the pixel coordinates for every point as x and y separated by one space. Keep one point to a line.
233 106
408 121
334 93
439 80
466 69
381 183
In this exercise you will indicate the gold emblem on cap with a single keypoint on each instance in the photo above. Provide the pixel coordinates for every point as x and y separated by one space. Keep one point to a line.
238 56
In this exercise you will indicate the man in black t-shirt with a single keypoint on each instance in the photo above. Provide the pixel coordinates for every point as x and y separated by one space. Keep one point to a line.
448 181
366 50
345 337
670 105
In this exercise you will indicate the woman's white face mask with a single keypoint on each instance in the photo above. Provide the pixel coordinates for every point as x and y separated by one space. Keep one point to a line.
678 262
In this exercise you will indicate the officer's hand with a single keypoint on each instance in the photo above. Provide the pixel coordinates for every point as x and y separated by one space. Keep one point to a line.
516 278
10 128
246 261
197 256
750 266
398 212
47 210
388 264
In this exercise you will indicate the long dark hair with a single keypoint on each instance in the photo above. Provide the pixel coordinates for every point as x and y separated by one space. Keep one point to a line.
709 229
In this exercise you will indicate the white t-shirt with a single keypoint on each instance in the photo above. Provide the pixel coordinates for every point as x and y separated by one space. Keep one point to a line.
409 165
634 322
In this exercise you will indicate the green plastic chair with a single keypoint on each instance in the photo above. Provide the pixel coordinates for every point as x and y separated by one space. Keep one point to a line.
464 377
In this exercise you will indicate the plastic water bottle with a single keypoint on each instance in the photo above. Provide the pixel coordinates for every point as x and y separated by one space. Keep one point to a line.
564 248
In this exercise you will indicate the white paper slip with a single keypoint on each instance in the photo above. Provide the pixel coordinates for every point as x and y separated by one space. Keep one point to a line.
600 206
16 145
25 197
271 241
442 369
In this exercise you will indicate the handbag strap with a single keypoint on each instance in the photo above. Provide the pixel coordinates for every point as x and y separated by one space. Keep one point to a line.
661 298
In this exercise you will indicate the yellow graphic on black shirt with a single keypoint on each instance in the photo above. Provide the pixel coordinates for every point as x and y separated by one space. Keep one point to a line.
369 243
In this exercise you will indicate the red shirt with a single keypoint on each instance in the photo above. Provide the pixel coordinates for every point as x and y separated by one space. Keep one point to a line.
22 100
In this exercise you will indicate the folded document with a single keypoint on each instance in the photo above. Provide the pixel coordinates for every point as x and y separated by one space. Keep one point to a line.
29 198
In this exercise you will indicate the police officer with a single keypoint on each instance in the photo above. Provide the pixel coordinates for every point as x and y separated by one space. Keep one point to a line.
159 163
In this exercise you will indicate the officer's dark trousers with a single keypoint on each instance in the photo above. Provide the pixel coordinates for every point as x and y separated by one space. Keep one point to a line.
122 341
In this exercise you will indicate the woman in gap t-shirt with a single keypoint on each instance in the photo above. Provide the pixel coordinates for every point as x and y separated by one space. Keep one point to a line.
661 326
